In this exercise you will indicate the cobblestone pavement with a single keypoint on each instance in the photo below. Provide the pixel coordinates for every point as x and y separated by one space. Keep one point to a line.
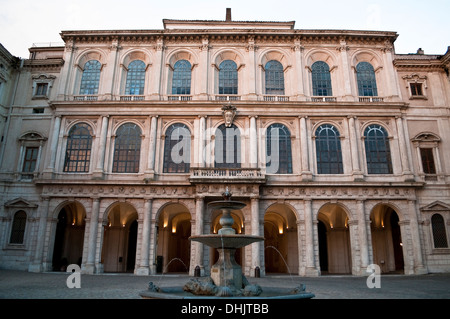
26 285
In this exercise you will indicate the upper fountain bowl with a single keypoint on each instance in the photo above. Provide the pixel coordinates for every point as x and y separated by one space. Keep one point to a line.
227 204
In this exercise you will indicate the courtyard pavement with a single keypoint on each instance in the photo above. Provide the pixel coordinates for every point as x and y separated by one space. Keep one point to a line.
53 285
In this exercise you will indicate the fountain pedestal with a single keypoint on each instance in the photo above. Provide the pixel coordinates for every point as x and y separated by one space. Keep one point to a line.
226 272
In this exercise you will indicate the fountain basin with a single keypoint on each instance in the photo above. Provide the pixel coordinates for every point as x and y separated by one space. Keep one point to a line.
226 241
268 293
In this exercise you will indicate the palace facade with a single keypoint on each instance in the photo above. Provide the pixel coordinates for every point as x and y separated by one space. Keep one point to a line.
114 142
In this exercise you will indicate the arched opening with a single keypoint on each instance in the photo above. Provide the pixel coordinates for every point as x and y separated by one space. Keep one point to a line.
386 239
120 237
174 248
337 234
238 226
323 250
280 240
69 237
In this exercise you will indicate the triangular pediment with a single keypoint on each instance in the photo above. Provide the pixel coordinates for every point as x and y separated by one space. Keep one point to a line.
20 203
436 206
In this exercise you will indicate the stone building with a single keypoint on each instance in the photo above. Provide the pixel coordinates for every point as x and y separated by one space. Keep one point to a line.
114 143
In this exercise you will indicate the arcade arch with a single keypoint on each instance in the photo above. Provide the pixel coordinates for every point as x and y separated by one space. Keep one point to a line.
386 239
281 240
69 236
173 245
120 239
334 237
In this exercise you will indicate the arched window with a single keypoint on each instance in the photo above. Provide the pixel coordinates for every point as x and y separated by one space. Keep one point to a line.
321 79
328 150
228 77
278 154
365 75
439 233
177 149
90 78
378 151
181 80
274 78
18 228
135 78
127 149
227 151
78 149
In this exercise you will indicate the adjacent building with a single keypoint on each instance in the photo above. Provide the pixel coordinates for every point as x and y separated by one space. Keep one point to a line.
114 142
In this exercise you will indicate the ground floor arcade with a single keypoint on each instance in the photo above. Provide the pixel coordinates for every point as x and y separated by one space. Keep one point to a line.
306 232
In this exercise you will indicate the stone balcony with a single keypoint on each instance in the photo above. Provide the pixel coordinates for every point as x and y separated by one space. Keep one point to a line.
227 175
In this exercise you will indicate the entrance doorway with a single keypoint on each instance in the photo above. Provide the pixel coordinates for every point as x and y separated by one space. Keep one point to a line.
334 239
280 240
386 239
69 237
120 237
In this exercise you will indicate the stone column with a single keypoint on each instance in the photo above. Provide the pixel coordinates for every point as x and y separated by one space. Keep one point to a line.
256 255
419 267
157 67
54 144
93 230
403 151
152 148
251 71
107 87
306 172
311 269
362 233
298 90
102 145
203 68
198 247
347 89
201 141
253 143
37 265
145 242
354 149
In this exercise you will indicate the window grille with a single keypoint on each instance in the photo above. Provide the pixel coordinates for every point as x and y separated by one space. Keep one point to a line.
127 149
78 150
90 78
181 80
274 74
328 150
177 144
367 84
439 233
135 78
228 77
278 139
227 151
18 228
427 160
378 153
321 79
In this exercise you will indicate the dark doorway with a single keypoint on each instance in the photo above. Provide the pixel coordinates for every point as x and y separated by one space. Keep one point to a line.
323 249
58 263
397 242
132 242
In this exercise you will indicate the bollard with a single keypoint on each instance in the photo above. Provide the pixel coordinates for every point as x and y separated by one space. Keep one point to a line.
257 272
197 271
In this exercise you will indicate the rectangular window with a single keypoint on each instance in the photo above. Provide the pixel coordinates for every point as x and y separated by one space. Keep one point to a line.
41 89
29 162
416 89
427 160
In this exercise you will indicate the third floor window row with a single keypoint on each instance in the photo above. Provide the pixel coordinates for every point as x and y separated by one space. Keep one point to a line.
228 84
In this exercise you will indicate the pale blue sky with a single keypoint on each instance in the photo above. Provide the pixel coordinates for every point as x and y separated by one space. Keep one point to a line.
423 24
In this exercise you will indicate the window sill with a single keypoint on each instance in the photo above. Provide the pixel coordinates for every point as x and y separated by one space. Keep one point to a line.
418 97
15 247
440 251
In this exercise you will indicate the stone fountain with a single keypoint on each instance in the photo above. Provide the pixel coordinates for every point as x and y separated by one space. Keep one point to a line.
226 279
